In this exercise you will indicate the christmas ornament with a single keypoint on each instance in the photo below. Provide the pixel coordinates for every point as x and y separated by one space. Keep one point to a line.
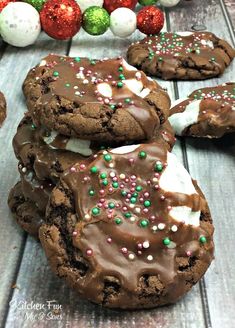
84 4
37 4
147 2
169 3
123 22
150 20
61 19
19 24
4 3
96 20
111 5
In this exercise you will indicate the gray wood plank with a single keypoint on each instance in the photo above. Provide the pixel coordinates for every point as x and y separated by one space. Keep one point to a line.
211 162
230 5
14 66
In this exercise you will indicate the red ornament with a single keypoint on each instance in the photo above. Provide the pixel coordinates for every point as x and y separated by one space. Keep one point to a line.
111 5
4 3
61 19
150 20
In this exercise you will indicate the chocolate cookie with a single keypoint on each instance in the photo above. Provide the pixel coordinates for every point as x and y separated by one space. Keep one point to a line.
208 112
3 108
181 55
26 213
130 230
49 154
102 100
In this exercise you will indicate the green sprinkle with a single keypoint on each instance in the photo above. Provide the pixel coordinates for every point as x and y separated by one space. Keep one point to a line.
123 193
103 175
120 69
93 62
147 203
91 192
135 194
55 73
112 107
94 169
119 84
77 59
95 211
133 200
144 223
203 239
212 59
166 241
158 167
138 188
122 77
67 85
105 182
115 185
118 221
160 59
33 126
127 100
111 205
142 154
107 157
127 215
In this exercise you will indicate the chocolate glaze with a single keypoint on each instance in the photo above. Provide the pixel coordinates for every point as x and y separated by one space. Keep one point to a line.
58 101
217 111
3 106
199 55
126 251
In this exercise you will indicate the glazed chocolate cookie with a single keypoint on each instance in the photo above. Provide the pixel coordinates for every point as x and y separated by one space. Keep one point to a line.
49 154
181 55
208 112
26 213
3 108
101 100
131 230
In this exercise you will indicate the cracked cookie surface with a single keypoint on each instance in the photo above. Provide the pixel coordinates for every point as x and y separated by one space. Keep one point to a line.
102 100
181 55
130 230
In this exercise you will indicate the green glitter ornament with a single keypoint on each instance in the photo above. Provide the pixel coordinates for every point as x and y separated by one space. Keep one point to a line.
37 4
147 2
96 20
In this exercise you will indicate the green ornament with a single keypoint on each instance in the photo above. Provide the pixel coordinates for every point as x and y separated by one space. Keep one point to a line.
96 20
37 4
147 2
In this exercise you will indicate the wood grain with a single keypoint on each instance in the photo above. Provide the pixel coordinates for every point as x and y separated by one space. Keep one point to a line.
14 66
230 5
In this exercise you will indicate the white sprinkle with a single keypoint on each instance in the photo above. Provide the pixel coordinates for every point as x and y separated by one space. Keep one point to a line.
77 93
112 174
87 217
132 205
174 228
154 228
111 165
122 176
137 210
85 81
146 244
132 219
75 87
105 152
149 257
131 256
24 169
155 179
161 226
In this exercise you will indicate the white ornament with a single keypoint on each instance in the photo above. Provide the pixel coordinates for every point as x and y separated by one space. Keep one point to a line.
19 24
123 22
169 3
84 4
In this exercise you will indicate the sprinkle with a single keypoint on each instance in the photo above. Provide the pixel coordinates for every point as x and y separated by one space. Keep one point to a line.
147 203
105 182
118 221
124 250
137 210
146 244
55 73
75 233
154 228
138 188
107 157
158 166
203 239
87 217
119 84
174 228
77 59
131 257
89 252
115 185
166 241
161 226
94 169
91 192
103 176
111 205
95 211
109 240
127 215
149 257
144 223
122 176
142 154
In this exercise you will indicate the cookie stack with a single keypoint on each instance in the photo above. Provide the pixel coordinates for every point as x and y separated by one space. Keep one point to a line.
119 217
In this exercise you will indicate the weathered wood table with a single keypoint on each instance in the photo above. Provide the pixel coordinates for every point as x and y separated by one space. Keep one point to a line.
24 274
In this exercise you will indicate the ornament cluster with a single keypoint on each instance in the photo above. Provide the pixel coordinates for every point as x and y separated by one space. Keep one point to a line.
22 21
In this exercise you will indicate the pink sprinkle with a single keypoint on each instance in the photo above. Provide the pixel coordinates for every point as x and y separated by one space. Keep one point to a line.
89 252
120 104
101 191
115 179
169 208
146 194
131 160
109 216
124 250
75 233
118 205
163 197
157 175
140 245
72 169
102 200
109 240
110 77
82 166
106 101
106 206
152 217
100 205
129 195
110 211
99 99
132 189
148 182
110 189
124 208
127 200
133 184
133 178
106 80
141 199
122 186
188 253
145 210
139 252
126 180
156 187
114 83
